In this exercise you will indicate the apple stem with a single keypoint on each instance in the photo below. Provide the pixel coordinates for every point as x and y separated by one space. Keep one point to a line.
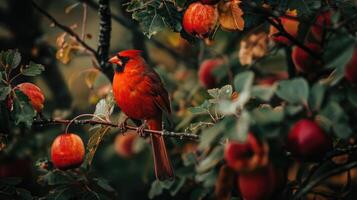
79 116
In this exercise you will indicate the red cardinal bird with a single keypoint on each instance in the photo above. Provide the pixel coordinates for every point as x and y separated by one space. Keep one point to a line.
140 94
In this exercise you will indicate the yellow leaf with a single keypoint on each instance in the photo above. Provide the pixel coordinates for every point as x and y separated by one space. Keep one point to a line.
231 15
91 77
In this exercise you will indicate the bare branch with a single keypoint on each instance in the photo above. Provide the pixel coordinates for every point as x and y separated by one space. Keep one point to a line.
133 27
105 27
65 28
277 24
41 122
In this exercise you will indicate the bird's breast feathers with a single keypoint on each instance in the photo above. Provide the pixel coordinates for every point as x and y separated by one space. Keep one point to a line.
133 96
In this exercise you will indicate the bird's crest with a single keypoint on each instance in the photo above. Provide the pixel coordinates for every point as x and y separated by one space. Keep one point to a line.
130 53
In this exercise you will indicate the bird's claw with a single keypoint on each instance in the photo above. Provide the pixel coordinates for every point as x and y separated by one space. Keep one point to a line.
141 131
122 126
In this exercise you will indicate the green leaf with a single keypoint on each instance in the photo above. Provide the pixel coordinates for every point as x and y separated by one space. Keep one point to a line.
150 21
208 179
267 115
11 58
201 109
211 160
243 81
342 130
210 135
243 124
317 96
352 96
24 194
33 69
56 178
22 112
214 92
155 189
61 193
225 92
104 108
339 50
94 142
263 92
177 186
294 91
104 185
4 91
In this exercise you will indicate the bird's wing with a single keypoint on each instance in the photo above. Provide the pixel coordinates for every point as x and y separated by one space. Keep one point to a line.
158 91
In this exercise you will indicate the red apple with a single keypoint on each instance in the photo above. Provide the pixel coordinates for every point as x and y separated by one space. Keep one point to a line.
323 21
67 151
205 72
303 61
351 69
307 142
261 184
248 156
34 94
199 19
124 144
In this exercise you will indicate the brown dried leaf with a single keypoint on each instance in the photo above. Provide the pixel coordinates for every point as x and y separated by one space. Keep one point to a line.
91 77
254 46
231 15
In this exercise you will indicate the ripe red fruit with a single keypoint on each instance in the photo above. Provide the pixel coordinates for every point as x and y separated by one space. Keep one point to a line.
323 21
34 94
210 2
124 144
205 73
67 151
199 19
303 61
261 184
351 69
247 156
307 142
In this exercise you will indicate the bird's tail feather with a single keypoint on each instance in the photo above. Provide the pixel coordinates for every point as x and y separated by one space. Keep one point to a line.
163 167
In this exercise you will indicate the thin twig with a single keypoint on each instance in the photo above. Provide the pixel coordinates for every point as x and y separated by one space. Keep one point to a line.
278 25
41 122
134 28
318 179
65 28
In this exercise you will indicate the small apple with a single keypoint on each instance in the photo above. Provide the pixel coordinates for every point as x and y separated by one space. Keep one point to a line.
261 184
351 69
303 61
323 20
34 94
200 20
205 72
67 151
247 156
307 142
124 144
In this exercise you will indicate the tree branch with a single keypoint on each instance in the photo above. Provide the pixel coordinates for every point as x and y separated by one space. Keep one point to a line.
278 25
299 194
65 28
133 27
105 25
41 122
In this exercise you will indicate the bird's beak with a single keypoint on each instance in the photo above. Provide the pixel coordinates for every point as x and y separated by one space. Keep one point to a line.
114 60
